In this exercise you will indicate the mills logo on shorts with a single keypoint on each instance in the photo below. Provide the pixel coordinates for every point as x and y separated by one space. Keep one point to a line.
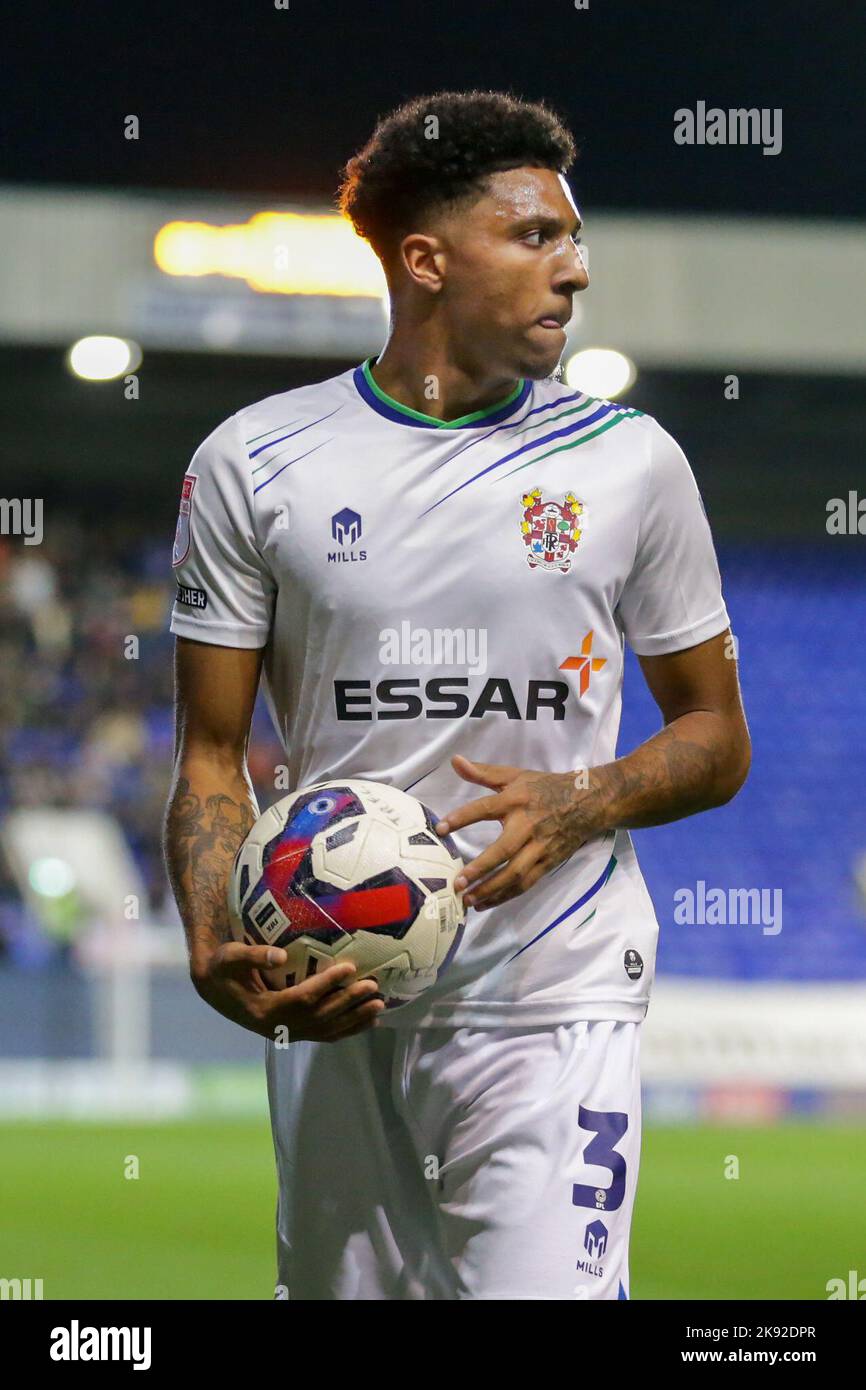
595 1239
181 535
551 530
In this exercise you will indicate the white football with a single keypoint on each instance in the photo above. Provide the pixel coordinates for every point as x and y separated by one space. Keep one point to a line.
350 870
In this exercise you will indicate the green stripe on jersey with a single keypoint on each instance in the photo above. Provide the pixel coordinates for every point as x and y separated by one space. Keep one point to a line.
551 419
574 443
256 437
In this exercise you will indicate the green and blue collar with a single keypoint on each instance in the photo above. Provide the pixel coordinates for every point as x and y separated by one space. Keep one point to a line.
384 404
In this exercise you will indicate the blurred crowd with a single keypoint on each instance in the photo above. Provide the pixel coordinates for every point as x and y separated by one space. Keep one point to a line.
86 716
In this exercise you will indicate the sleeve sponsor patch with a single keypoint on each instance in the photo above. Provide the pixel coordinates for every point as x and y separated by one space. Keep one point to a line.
191 598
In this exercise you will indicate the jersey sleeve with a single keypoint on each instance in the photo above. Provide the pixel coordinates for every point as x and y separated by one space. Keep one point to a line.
225 591
672 598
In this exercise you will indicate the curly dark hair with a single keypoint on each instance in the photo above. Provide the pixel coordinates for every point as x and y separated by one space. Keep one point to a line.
404 171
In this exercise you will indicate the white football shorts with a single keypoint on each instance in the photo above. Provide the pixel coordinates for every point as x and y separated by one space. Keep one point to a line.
457 1163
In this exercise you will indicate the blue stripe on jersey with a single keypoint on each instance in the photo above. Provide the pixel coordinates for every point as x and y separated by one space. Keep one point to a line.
546 405
297 459
622 1293
513 425
563 433
590 893
421 778
290 435
399 417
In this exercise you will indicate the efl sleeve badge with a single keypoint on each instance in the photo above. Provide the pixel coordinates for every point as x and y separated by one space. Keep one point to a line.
182 534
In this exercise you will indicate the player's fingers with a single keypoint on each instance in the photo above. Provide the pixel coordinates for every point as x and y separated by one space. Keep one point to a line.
282 1005
313 989
503 849
484 774
510 882
236 957
344 1000
484 808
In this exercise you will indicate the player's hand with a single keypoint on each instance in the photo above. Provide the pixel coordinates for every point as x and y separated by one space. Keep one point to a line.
325 1008
545 817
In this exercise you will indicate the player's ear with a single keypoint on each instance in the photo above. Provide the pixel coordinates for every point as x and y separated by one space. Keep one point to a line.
423 259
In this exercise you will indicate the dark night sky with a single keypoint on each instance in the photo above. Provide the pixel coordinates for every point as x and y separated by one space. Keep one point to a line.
242 97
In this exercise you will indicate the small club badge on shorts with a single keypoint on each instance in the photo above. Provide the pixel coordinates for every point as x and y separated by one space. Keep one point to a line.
551 530
633 963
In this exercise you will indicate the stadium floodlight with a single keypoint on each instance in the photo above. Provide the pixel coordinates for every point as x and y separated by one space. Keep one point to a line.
100 357
51 878
275 253
601 372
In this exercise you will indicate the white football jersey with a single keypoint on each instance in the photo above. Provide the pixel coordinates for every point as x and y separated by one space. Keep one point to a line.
426 588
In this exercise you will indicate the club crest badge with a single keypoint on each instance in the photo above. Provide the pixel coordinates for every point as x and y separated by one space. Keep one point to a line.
181 535
551 530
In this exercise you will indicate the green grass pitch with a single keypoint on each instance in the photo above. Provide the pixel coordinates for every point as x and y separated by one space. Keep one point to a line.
198 1221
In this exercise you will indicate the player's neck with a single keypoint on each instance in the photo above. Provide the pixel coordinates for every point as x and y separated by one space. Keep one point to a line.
425 378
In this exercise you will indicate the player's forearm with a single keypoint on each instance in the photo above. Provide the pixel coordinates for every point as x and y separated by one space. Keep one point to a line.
210 811
698 761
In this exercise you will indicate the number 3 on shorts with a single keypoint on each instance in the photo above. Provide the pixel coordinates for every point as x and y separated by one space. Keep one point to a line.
608 1126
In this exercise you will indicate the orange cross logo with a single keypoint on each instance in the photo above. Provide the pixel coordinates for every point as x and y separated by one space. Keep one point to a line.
585 663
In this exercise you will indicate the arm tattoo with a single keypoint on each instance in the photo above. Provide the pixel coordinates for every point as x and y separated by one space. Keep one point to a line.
201 843
670 776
